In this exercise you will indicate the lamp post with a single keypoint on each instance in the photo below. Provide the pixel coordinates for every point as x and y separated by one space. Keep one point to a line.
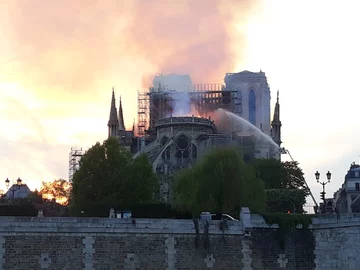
322 194
18 185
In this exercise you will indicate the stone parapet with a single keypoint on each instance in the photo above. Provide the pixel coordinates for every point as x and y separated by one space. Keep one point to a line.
112 225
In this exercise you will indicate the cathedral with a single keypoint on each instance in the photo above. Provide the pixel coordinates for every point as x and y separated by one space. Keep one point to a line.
179 122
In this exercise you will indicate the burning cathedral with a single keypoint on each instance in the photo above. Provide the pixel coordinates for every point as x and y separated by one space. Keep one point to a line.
178 122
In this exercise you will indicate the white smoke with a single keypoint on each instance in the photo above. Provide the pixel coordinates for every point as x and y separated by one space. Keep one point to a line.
179 87
181 104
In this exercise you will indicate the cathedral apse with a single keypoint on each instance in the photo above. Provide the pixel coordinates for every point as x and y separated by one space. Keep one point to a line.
174 140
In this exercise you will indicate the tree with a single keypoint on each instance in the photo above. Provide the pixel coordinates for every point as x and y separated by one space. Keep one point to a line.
284 200
278 175
285 185
221 182
292 176
58 190
108 177
35 196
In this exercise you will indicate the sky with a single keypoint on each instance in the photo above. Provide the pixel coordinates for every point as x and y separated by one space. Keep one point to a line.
59 61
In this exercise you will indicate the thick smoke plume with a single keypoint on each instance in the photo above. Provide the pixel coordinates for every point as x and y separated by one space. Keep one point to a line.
69 46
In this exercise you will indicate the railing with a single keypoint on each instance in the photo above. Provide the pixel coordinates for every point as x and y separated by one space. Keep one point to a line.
183 119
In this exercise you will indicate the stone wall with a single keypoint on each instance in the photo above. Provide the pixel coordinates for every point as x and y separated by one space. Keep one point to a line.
337 242
109 243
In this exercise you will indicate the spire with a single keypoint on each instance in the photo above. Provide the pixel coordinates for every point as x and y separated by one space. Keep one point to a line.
276 123
121 117
277 109
113 123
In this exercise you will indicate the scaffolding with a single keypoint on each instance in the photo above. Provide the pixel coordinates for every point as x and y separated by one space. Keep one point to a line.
74 161
143 112
157 103
208 101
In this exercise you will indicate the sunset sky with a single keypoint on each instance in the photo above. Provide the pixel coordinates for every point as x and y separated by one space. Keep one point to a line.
60 59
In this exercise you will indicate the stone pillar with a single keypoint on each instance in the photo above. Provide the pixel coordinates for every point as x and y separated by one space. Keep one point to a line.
88 252
205 216
170 251
282 261
45 261
247 252
112 213
245 218
40 213
209 261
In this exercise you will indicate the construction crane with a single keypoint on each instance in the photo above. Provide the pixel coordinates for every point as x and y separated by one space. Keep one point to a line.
285 151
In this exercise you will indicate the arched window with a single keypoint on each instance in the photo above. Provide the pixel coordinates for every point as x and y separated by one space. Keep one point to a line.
182 144
252 107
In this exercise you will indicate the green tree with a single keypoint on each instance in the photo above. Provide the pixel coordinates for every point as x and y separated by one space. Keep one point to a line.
221 182
283 200
35 196
278 175
292 176
285 184
109 177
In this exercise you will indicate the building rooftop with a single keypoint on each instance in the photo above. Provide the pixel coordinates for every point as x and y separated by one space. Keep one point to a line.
18 191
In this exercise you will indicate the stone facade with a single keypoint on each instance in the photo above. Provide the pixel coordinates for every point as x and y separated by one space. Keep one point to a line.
337 242
110 243
347 198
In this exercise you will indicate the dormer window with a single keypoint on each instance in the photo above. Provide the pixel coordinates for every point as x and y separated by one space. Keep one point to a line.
357 174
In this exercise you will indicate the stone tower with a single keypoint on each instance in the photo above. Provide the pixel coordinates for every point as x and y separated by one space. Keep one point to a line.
113 123
254 91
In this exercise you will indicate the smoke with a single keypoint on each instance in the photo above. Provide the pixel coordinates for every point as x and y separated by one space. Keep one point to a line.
181 104
195 37
70 46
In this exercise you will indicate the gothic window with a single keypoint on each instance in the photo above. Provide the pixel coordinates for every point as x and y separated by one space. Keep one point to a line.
164 140
182 154
166 154
182 142
252 107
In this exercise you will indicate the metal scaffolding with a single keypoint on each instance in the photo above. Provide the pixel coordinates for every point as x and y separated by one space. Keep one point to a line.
74 159
143 112
157 103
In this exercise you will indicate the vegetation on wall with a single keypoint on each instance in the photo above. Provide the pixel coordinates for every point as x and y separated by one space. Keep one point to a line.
287 223
220 183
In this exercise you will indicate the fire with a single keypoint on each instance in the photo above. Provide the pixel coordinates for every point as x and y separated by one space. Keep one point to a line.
193 111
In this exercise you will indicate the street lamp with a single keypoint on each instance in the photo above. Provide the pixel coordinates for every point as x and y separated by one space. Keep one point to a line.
322 194
13 188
